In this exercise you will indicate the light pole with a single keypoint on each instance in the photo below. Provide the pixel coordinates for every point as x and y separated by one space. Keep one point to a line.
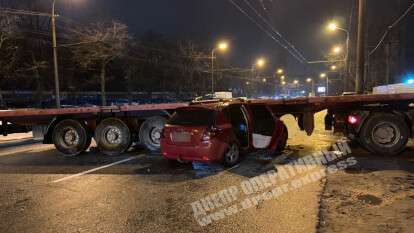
333 27
222 46
312 82
55 54
325 76
260 63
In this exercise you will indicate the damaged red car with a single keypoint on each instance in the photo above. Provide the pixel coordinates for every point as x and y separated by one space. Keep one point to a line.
221 132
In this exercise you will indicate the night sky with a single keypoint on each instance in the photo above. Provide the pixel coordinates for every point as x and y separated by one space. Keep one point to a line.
206 21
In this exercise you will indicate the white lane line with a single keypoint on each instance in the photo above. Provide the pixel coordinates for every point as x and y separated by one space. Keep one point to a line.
96 169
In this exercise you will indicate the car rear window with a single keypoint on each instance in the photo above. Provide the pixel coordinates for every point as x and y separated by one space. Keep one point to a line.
193 117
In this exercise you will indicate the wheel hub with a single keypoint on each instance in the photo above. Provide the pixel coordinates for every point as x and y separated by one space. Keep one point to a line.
113 135
232 154
71 137
156 135
386 134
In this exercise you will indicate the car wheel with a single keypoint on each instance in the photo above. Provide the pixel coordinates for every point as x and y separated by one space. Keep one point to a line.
232 155
384 134
113 136
71 138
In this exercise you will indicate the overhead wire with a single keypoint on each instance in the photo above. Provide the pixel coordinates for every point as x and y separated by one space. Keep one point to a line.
273 29
391 27
261 27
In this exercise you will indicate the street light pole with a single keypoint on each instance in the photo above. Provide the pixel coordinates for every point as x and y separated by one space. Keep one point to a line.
359 86
212 70
327 85
55 55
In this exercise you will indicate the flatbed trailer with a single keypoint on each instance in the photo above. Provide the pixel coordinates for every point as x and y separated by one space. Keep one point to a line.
382 124
71 130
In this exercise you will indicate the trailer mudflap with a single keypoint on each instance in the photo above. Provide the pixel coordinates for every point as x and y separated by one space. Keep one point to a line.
306 122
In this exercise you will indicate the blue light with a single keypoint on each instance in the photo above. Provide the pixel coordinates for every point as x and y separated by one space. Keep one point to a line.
410 81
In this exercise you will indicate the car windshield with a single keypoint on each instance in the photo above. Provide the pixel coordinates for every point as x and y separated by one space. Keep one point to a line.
193 117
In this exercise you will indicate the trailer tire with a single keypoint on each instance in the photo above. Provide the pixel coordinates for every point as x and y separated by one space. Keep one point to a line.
150 133
385 134
113 136
71 138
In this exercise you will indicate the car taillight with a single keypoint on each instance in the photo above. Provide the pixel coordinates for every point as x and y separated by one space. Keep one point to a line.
353 120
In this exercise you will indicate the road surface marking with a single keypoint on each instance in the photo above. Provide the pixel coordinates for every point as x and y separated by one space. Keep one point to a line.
96 169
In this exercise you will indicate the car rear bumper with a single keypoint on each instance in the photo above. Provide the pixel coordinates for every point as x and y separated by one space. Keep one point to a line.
209 152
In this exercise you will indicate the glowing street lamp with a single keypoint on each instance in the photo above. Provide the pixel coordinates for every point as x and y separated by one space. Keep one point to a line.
264 80
222 47
296 82
261 62
333 68
283 83
283 77
280 71
333 26
337 49
323 75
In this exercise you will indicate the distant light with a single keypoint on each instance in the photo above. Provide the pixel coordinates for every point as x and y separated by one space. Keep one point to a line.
283 77
323 75
264 80
296 82
280 71
410 81
333 67
247 83
321 89
283 83
309 80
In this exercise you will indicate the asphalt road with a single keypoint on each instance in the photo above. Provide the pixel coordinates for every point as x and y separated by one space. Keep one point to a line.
40 191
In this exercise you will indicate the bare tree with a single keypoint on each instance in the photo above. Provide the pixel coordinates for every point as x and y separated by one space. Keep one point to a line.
100 44
8 46
192 62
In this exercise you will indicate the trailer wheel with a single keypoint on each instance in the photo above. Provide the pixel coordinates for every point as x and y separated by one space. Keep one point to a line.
385 134
113 136
150 133
71 138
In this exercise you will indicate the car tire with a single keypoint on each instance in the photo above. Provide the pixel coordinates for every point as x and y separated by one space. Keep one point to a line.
385 134
113 137
232 155
71 138
150 133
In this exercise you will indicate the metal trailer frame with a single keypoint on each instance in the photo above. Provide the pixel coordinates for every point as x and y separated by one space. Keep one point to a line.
135 121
